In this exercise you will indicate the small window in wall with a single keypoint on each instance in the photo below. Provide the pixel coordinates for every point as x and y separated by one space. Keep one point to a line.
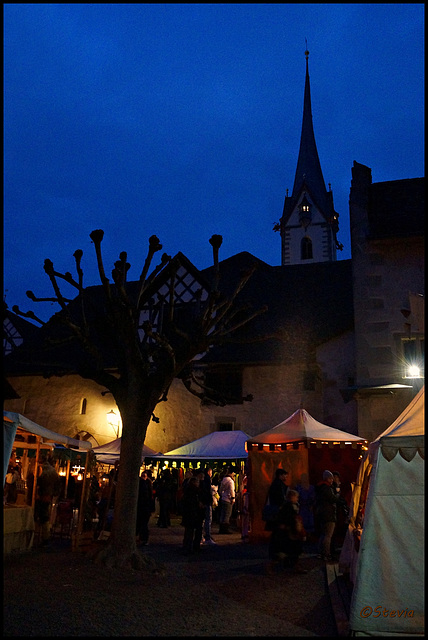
83 407
306 249
225 426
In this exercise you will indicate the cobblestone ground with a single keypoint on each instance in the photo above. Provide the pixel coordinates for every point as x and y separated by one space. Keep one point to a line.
224 590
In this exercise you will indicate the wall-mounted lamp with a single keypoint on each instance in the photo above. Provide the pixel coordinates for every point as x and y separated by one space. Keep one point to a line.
113 422
413 371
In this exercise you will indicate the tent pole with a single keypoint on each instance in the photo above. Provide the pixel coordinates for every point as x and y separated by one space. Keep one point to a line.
36 469
67 476
82 498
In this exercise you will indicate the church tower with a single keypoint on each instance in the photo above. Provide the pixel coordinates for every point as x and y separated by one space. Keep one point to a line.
309 223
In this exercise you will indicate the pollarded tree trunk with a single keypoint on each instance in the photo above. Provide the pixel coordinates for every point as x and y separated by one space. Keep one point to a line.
121 551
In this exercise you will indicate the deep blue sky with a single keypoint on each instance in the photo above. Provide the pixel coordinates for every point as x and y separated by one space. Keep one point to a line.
183 120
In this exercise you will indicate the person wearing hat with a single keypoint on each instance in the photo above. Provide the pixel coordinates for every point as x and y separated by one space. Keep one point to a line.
279 488
325 508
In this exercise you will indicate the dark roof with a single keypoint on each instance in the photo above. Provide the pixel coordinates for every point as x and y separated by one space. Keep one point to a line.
396 208
307 305
36 357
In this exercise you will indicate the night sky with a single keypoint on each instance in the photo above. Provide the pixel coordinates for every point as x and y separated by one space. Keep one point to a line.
184 120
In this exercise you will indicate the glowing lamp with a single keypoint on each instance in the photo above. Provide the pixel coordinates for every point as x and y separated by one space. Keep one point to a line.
113 421
413 371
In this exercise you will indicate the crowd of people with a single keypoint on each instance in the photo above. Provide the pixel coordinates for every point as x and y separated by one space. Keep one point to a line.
200 499
204 497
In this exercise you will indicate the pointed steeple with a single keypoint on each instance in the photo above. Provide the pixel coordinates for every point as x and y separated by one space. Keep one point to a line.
308 165
309 223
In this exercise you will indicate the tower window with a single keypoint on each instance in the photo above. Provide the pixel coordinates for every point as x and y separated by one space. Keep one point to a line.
305 215
306 249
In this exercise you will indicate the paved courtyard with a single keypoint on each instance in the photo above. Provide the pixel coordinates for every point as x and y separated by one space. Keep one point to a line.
223 590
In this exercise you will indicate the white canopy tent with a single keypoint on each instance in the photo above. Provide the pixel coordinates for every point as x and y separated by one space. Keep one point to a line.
302 427
218 445
389 573
109 453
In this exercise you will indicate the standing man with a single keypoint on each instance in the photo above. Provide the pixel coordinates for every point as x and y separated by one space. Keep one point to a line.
326 501
48 486
227 499
144 508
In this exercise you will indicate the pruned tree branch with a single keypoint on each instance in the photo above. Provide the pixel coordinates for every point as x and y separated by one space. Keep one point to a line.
52 274
154 246
97 237
26 314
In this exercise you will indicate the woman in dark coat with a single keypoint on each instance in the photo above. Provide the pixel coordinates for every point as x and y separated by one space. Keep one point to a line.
193 512
165 493
288 534
277 492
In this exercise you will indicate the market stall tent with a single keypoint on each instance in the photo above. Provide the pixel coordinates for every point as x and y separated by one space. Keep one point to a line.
13 422
109 453
218 446
304 447
390 566
20 432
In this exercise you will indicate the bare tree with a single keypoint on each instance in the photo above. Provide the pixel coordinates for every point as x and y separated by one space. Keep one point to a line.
137 360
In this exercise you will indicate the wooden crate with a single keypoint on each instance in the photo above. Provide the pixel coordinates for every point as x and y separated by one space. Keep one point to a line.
82 542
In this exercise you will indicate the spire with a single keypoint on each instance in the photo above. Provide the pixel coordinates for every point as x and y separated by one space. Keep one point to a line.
308 164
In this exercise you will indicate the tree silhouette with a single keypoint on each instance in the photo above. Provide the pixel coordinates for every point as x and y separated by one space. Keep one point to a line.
134 341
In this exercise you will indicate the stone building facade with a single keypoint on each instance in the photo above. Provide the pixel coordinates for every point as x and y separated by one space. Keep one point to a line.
388 279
